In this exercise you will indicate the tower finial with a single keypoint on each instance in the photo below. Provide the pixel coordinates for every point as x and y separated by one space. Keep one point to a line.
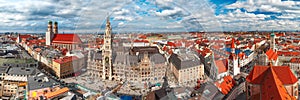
107 18
107 21
272 34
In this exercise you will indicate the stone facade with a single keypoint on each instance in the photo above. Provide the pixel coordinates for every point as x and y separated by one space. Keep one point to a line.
118 62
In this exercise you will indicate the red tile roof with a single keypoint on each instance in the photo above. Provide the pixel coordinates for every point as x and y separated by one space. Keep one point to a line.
287 53
232 43
24 36
66 39
171 44
170 51
279 34
198 41
295 60
145 41
65 59
42 40
222 65
272 83
204 52
14 39
272 55
142 36
174 44
64 51
164 48
189 43
241 55
56 93
257 75
38 49
257 40
226 85
217 47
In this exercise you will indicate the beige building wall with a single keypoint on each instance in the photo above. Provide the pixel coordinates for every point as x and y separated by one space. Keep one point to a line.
190 75
252 90
68 68
10 88
175 71
292 89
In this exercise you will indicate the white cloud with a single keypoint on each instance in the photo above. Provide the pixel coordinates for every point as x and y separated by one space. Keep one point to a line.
269 8
246 21
282 17
287 16
127 18
276 6
169 12
121 23
199 15
122 11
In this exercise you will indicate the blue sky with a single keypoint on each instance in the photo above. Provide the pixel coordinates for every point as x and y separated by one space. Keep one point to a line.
88 16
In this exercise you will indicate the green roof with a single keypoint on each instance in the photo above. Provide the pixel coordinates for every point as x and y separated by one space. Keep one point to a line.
16 61
158 84
272 34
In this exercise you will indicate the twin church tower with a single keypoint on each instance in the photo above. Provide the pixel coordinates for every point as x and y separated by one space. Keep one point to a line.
50 32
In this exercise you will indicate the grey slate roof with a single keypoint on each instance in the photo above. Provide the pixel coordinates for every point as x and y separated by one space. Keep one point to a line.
160 93
40 81
185 60
120 58
121 55
119 49
126 59
132 60
210 92
4 69
21 70
157 59
142 50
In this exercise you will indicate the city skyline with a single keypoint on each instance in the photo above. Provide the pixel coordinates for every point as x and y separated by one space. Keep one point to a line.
88 16
178 50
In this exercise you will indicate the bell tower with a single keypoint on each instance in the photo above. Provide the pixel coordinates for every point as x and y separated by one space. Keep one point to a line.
107 53
272 42
233 62
49 33
55 28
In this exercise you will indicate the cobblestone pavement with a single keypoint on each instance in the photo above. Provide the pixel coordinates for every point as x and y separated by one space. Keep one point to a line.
100 85
132 88
91 83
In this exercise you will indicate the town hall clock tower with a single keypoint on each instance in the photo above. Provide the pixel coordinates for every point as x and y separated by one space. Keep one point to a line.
107 53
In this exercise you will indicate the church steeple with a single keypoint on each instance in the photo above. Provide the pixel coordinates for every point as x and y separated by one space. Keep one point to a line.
49 34
272 41
232 46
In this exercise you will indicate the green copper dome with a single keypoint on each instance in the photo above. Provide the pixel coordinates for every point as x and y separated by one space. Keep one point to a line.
50 22
272 34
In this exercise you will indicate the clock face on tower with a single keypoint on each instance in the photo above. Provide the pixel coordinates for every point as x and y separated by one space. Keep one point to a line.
106 59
